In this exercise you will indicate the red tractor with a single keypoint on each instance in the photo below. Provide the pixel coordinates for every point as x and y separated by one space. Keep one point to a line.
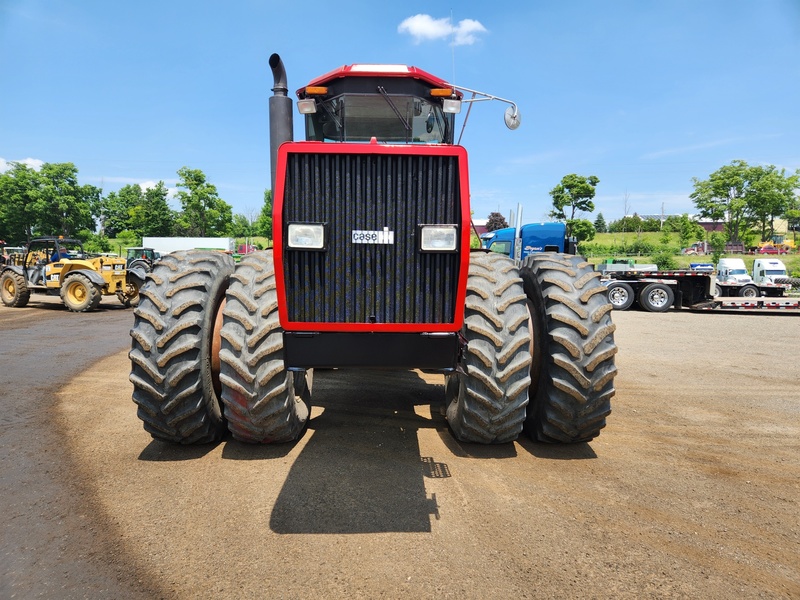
372 268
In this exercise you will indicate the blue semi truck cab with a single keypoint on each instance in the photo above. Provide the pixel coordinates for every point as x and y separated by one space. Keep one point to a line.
536 237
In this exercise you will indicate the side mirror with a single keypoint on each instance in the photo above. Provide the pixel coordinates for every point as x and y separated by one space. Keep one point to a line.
512 117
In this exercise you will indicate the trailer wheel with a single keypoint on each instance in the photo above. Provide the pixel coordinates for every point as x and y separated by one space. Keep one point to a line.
486 400
13 289
572 374
79 294
656 297
171 351
264 403
620 295
749 291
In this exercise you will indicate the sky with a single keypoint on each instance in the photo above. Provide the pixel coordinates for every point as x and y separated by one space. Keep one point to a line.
643 94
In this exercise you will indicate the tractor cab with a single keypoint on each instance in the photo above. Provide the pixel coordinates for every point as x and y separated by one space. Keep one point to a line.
390 103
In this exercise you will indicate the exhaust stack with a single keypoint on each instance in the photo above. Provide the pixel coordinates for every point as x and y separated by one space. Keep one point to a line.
281 127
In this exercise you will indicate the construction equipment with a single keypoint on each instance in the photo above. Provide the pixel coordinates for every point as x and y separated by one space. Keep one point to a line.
372 268
59 266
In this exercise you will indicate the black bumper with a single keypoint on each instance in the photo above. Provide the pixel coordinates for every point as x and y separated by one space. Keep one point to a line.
429 351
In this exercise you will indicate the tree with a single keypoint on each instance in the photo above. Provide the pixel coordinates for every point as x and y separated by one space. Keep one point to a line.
600 224
582 229
792 217
116 209
63 207
770 195
689 231
264 222
240 226
204 214
19 190
573 195
495 221
156 217
722 197
630 223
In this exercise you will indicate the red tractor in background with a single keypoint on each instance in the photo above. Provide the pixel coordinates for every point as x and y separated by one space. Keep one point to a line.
372 268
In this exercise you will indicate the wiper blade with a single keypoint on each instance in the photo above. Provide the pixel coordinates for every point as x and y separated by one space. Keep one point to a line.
394 108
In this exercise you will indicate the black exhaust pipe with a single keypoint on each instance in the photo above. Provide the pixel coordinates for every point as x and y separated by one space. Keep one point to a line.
281 127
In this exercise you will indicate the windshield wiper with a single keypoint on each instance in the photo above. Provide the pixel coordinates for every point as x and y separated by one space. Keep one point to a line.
394 108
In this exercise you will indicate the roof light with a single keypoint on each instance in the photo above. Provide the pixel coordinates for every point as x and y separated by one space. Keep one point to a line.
442 92
316 90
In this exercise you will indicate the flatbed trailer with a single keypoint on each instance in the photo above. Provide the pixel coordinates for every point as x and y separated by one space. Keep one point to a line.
658 291
785 304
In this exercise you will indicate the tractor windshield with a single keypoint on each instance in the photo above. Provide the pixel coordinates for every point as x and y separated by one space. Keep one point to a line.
388 118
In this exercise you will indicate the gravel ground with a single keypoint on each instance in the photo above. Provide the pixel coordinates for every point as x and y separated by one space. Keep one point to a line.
691 491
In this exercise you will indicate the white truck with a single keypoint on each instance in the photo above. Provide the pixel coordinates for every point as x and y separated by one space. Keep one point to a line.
733 278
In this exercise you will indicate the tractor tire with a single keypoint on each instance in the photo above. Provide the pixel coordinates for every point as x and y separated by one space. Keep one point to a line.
264 402
13 290
793 281
572 375
171 355
79 294
620 295
140 263
656 297
486 398
749 291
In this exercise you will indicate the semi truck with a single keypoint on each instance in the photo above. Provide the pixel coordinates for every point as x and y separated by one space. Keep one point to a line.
372 269
533 237
733 279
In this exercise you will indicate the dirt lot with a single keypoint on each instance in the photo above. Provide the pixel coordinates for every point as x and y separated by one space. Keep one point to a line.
691 491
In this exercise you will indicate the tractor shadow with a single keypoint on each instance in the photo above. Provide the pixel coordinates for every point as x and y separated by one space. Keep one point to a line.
361 470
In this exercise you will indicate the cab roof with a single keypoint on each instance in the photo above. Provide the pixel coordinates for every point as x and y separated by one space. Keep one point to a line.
374 70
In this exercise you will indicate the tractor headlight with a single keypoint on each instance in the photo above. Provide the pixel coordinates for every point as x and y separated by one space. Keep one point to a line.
438 238
306 236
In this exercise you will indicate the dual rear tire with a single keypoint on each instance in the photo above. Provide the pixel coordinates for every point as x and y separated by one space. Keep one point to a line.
540 352
184 395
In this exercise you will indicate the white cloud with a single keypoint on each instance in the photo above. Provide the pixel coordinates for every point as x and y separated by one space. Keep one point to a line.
426 28
466 32
146 185
33 163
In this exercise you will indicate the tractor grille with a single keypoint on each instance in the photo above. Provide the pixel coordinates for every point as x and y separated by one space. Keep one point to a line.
371 283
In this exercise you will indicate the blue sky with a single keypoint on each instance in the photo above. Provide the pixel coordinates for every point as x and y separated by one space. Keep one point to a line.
643 94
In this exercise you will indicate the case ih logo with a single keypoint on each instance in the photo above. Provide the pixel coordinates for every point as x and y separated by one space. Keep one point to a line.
373 237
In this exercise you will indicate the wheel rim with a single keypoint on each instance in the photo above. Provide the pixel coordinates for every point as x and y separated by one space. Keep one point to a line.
749 293
618 296
77 293
658 298
9 288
